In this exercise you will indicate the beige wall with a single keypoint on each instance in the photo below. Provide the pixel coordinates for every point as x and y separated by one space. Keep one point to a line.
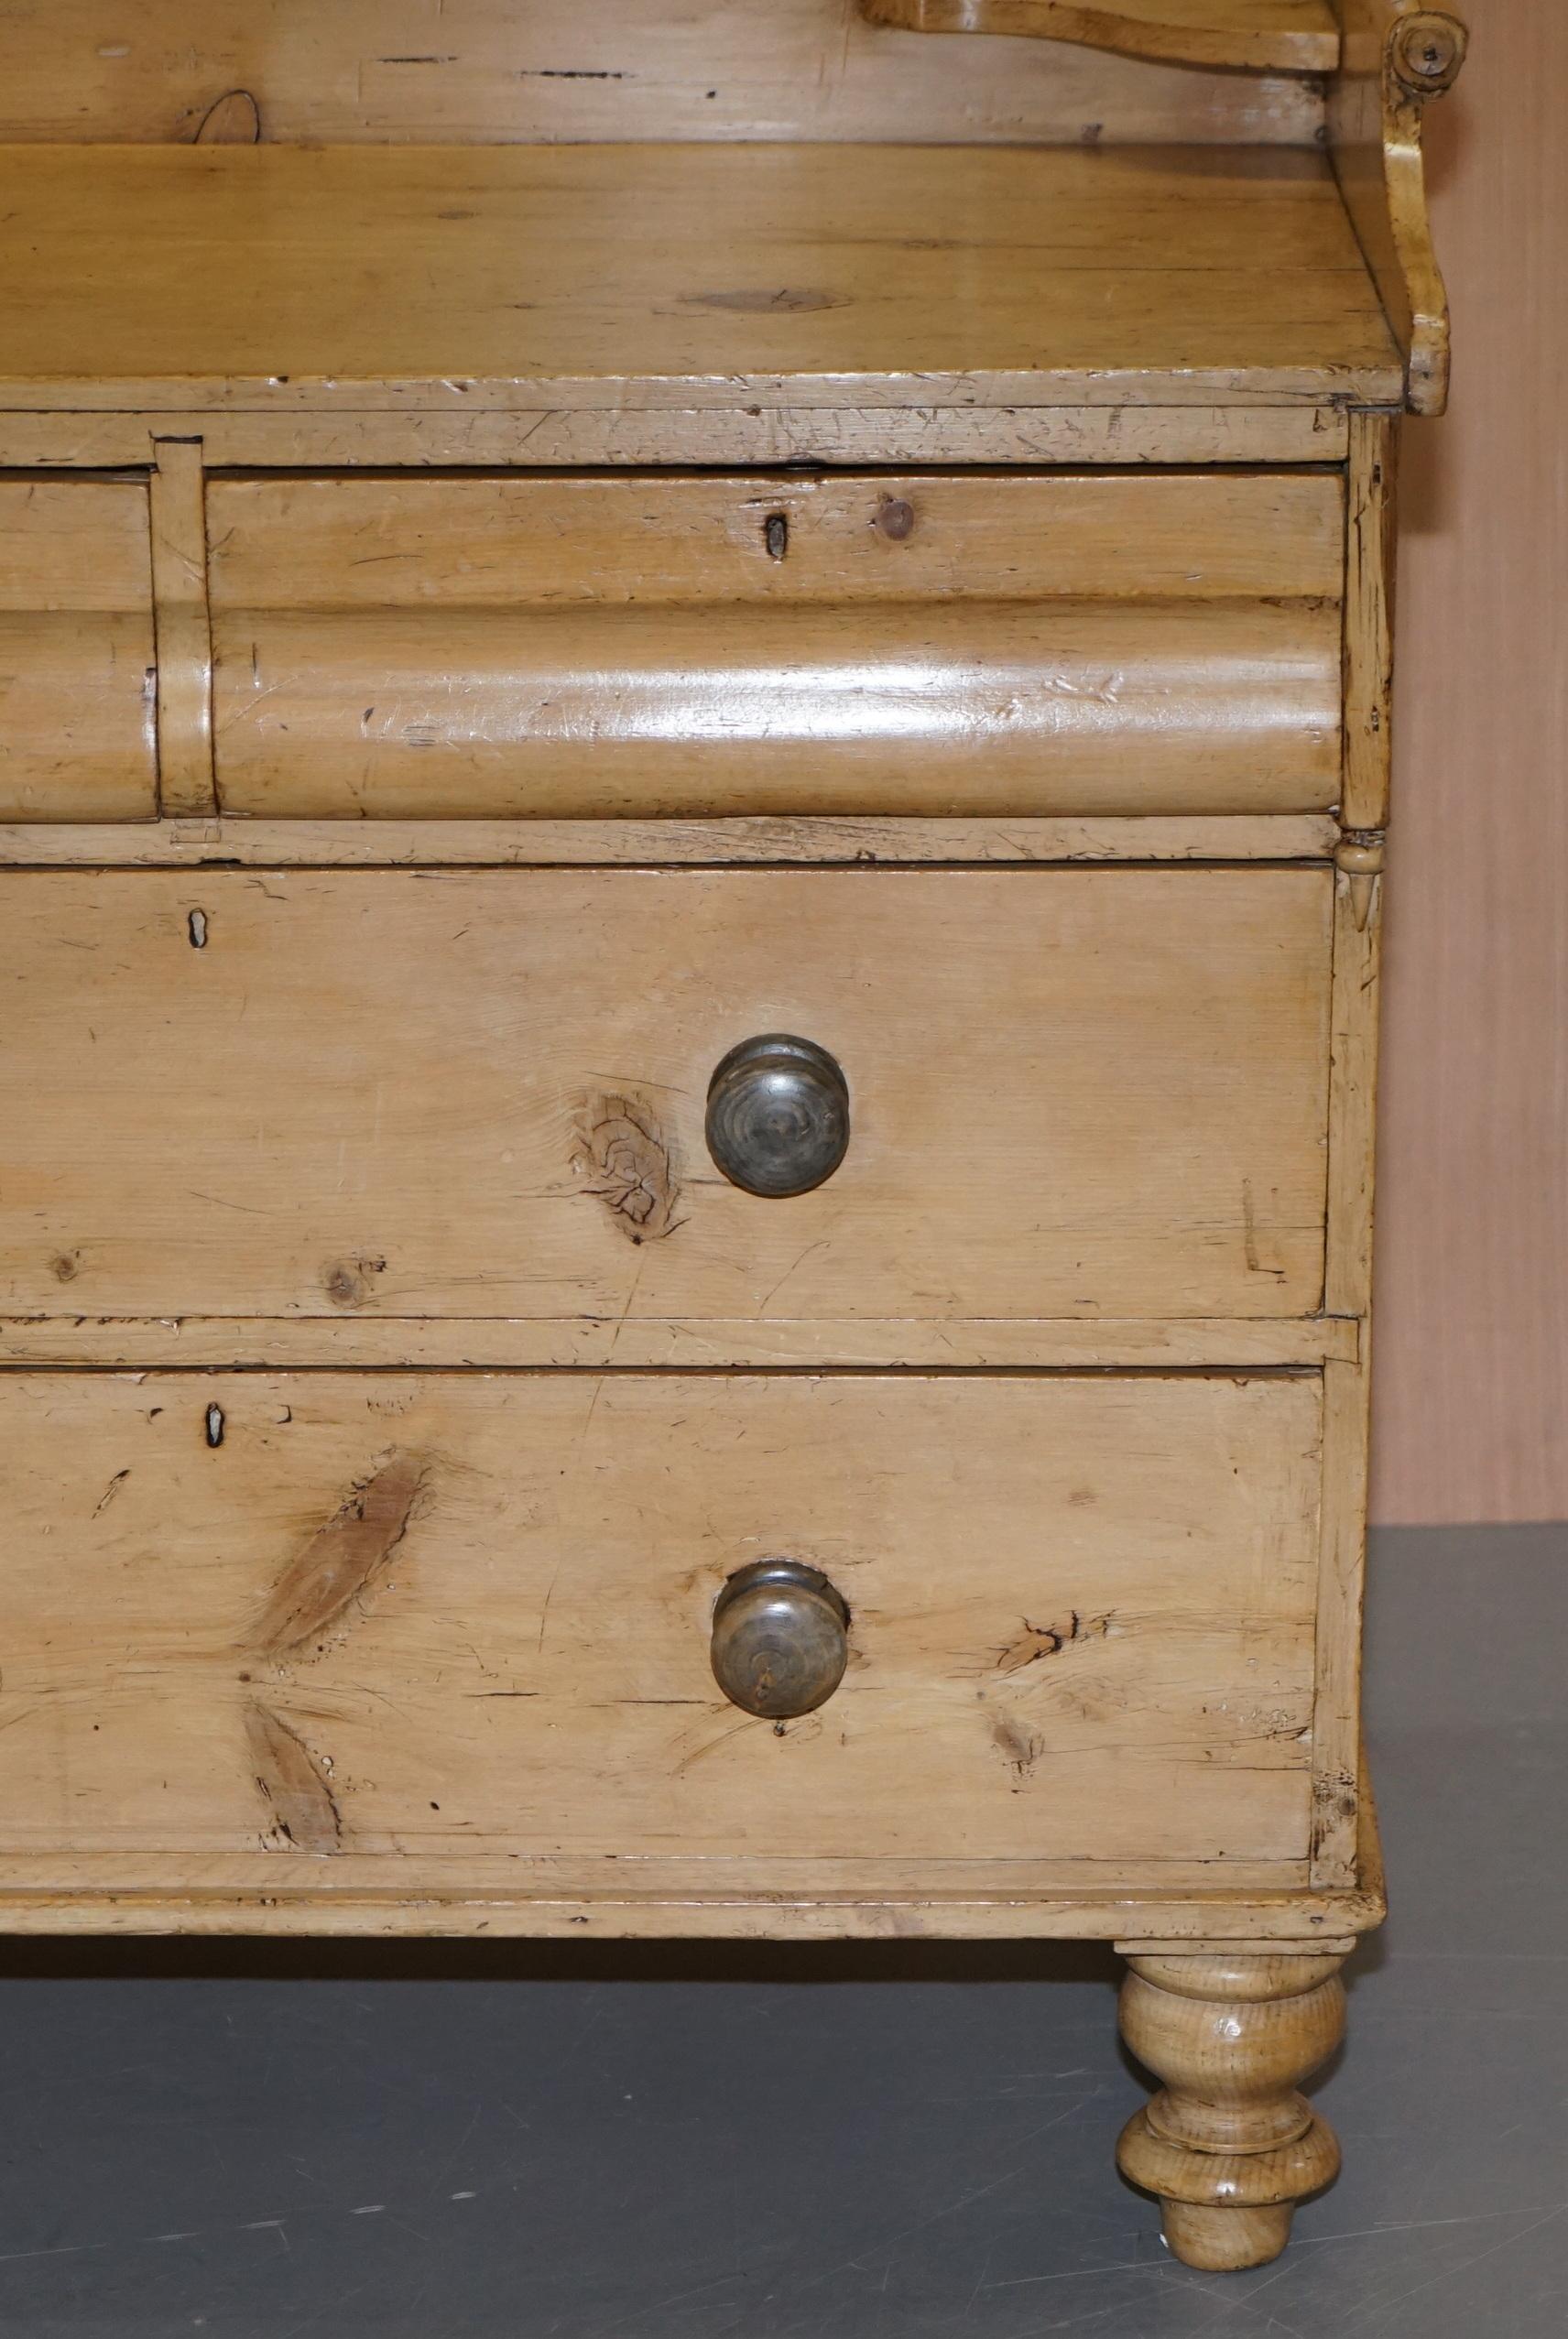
1472 1387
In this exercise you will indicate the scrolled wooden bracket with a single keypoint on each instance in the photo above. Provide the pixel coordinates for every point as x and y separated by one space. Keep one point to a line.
1395 57
1238 36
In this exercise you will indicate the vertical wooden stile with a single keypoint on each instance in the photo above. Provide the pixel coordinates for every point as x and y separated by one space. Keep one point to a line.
1336 1751
1369 619
187 780
1352 1079
1352 1131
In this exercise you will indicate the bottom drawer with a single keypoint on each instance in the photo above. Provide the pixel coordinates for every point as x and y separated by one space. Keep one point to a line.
435 1629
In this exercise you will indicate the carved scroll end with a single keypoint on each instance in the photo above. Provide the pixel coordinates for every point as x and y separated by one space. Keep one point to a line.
1425 52
1422 55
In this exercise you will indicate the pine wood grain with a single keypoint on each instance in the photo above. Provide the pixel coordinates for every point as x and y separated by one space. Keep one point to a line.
505 541
1081 1621
313 279
1073 1093
484 72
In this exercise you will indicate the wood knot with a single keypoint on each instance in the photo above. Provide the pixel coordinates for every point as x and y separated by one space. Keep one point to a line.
322 1588
349 1283
768 300
1426 51
1019 1747
293 1784
1035 1641
625 1159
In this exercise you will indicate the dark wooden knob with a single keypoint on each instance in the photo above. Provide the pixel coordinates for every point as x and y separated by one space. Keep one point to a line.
778 1115
780 1638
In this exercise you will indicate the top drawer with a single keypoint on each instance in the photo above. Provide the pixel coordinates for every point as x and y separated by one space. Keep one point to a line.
414 646
78 733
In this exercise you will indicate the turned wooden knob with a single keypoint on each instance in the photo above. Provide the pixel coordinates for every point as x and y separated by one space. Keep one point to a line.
777 1115
780 1638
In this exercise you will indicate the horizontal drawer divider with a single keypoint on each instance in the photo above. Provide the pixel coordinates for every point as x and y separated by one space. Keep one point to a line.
427 1343
846 841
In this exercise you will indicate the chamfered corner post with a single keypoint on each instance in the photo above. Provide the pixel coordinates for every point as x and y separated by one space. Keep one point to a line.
1228 2145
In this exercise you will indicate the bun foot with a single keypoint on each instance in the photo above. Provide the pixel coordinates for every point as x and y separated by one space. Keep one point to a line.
1221 2241
1228 2146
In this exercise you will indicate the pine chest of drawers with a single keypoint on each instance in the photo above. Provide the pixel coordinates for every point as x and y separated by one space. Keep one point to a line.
691 872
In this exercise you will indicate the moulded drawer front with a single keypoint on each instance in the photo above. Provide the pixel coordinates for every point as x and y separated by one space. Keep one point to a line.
443 1628
371 1093
432 647
77 699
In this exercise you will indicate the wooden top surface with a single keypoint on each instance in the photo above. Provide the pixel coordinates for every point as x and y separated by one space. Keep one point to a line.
176 277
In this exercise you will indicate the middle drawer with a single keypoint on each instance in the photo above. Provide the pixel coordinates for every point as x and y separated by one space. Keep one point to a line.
1071 1093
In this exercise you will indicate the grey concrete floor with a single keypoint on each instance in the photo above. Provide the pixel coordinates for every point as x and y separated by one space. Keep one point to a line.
688 2143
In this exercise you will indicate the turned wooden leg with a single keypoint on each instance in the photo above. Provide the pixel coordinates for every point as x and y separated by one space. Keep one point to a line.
1227 2144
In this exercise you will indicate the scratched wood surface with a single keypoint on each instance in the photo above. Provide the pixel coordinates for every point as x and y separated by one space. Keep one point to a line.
943 428
481 72
902 644
77 716
434 1620
1073 1093
299 279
